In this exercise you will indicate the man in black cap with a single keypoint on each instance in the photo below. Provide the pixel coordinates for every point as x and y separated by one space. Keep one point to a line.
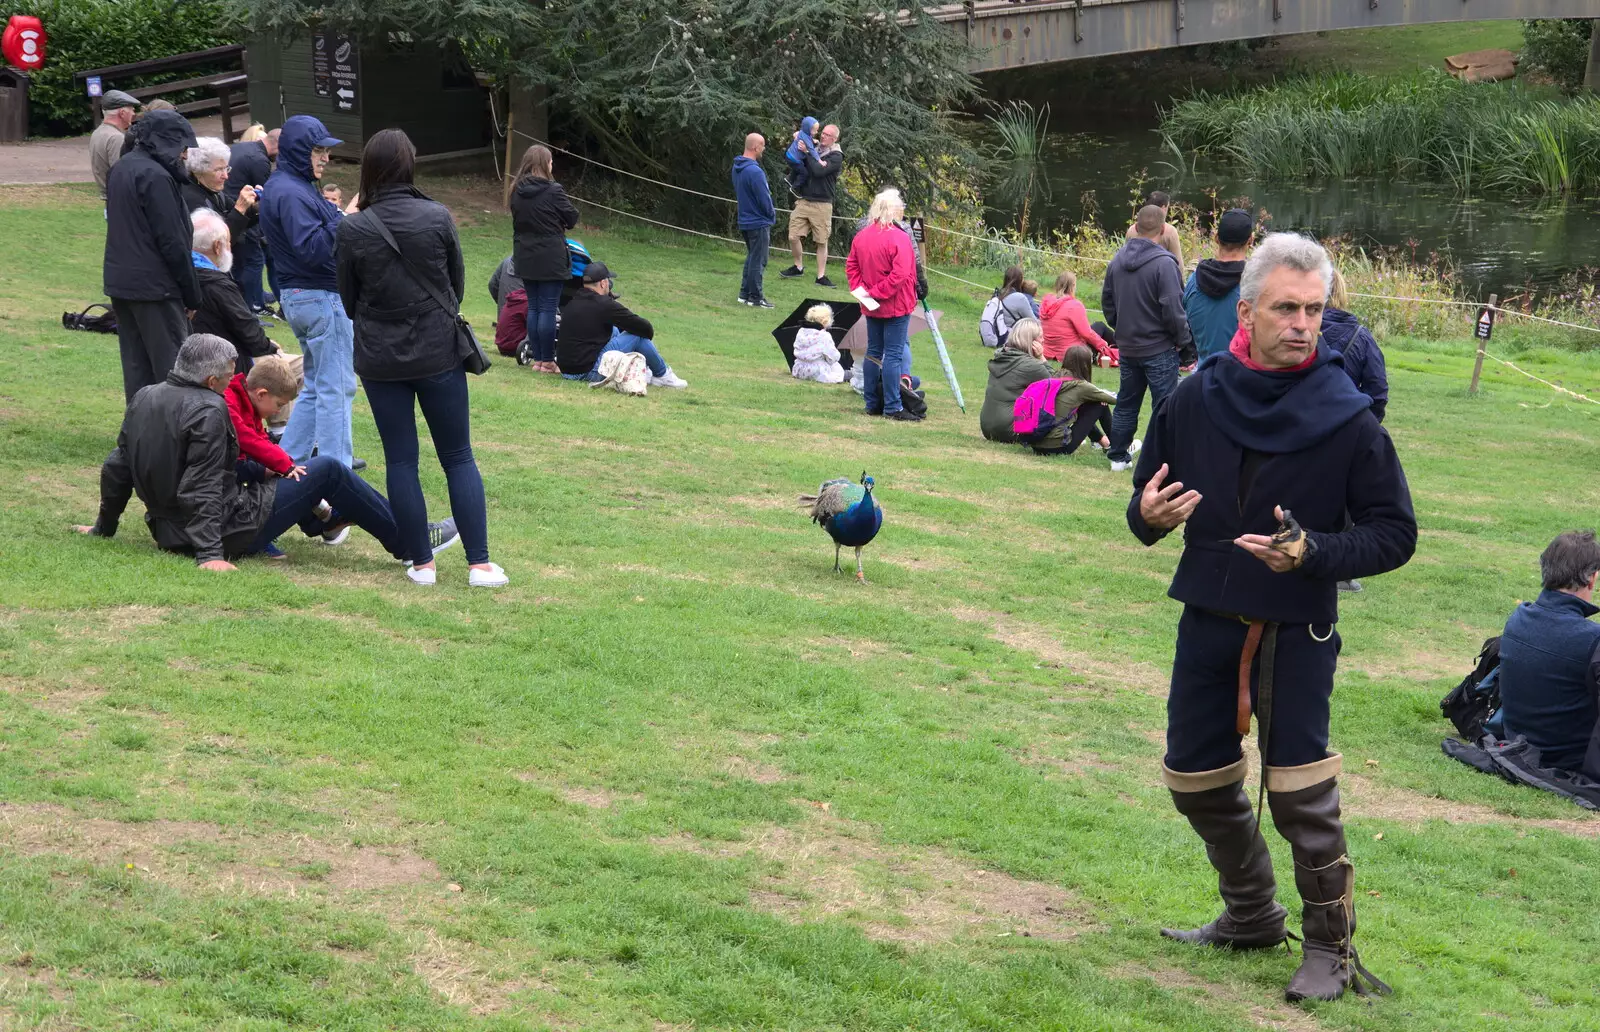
1211 297
595 322
149 274
105 143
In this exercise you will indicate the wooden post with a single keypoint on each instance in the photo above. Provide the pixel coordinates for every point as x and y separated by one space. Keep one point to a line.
1483 342
511 116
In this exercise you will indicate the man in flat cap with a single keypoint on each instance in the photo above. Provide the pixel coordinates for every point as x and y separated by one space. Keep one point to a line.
105 145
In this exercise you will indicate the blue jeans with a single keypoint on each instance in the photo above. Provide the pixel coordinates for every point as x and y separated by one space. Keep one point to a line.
544 299
445 407
624 342
888 358
321 416
351 497
1160 374
756 242
249 258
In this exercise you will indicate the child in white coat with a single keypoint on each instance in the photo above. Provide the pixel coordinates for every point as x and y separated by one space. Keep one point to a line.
816 357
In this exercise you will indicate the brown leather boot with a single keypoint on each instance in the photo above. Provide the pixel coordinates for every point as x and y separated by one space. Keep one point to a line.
1305 808
1220 813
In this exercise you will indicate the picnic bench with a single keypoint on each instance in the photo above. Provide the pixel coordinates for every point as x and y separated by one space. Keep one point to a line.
226 85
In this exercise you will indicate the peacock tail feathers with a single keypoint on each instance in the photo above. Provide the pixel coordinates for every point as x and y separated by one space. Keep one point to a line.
832 498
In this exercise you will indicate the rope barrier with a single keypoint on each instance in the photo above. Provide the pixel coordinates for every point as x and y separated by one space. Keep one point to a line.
998 242
1540 318
1547 383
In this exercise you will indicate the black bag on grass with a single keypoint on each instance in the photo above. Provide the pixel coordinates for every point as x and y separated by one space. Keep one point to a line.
1470 703
913 400
104 323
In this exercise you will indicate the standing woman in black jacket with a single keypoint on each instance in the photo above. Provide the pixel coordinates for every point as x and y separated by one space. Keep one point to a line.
405 351
541 214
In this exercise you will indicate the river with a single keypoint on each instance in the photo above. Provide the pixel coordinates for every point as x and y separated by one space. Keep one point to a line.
1498 243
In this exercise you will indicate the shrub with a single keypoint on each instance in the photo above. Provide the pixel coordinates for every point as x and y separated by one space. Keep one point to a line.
1557 47
97 33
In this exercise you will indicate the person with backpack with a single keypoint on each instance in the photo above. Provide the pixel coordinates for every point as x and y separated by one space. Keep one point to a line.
1055 416
1017 365
1005 309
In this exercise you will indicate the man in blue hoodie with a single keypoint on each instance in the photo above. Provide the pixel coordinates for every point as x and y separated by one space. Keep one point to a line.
756 216
1269 434
300 227
1211 297
1142 299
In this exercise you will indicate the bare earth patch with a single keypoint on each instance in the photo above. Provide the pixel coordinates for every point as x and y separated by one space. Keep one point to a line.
194 854
760 773
1276 1015
1025 637
594 797
1366 797
464 974
828 867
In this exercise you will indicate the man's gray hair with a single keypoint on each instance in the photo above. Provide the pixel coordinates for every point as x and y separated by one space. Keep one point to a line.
203 356
205 152
209 227
1285 250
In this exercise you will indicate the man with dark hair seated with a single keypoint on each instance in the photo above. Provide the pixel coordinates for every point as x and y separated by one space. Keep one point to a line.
1550 660
178 450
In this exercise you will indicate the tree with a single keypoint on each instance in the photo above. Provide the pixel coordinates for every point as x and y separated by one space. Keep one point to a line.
1557 47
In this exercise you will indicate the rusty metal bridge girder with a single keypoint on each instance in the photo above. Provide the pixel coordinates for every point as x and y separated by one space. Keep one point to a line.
1036 32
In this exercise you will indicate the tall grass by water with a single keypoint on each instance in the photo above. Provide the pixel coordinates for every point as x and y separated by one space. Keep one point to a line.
1490 136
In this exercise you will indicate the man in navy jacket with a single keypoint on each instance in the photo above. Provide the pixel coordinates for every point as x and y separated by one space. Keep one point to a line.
1270 428
300 226
756 216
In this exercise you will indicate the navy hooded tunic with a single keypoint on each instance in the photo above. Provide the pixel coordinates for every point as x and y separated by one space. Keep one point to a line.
1249 440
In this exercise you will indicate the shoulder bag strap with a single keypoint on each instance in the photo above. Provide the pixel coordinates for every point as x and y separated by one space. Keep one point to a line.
450 305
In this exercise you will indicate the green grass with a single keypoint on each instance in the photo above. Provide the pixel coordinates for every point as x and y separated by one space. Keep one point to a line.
684 776
1399 49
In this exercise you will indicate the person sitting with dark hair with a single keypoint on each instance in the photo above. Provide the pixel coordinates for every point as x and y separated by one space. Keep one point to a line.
1550 660
595 322
179 452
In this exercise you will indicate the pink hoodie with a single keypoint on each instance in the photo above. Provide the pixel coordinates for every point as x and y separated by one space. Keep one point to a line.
1066 322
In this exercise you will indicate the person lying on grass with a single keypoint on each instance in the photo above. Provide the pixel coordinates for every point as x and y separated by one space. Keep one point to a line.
178 451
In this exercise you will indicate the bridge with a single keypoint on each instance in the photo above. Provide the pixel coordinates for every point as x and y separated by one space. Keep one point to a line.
1008 34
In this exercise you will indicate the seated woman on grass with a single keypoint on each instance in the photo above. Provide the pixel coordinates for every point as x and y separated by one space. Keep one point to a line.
1066 321
1016 364
1055 416
816 356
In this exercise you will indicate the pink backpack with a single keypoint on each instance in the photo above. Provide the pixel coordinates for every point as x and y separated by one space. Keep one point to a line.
1034 413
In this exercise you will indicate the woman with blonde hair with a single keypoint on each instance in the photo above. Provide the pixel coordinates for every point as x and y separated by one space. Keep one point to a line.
1017 364
883 265
541 214
816 356
257 131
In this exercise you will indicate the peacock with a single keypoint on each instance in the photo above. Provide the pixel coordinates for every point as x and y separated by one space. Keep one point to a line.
849 514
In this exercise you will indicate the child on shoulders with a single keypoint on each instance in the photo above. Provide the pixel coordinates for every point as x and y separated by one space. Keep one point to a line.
816 357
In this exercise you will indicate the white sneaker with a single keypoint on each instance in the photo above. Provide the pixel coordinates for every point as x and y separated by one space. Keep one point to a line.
428 576
337 537
1133 449
493 577
668 379
1118 467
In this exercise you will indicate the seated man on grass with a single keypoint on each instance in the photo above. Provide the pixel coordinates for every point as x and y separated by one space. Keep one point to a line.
595 322
1550 660
179 452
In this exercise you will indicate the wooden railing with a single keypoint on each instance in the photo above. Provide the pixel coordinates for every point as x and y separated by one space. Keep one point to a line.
224 85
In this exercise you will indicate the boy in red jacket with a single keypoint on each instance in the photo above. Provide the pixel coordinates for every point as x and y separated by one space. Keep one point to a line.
254 398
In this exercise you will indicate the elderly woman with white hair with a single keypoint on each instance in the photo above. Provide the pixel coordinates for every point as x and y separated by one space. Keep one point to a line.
884 266
223 310
208 174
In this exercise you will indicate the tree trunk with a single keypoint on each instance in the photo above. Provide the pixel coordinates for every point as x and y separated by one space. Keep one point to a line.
1591 75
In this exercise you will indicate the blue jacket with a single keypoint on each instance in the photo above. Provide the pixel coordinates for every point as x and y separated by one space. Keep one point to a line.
755 196
1211 300
1249 440
1549 677
1363 359
299 224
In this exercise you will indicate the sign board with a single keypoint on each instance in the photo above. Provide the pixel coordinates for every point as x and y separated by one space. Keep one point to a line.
321 67
917 229
1485 325
93 85
345 72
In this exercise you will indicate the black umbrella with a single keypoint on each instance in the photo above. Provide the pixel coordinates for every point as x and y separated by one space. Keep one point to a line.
845 315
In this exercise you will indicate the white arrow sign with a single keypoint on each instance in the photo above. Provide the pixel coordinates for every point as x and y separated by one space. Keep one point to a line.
346 95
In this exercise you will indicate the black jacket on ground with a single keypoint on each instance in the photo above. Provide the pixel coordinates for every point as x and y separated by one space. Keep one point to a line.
822 176
177 449
195 195
1142 299
586 325
401 331
1250 440
540 218
148 234
248 165
223 312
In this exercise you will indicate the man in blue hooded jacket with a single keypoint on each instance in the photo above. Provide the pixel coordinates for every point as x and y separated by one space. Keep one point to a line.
300 227
1269 434
756 216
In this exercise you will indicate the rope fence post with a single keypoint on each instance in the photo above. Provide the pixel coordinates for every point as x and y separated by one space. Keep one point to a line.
1482 330
511 114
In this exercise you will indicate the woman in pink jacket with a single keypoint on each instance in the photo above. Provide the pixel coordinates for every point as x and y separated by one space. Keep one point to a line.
1066 321
883 262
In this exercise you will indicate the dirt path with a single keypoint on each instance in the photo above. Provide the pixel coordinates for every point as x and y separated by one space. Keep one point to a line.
67 161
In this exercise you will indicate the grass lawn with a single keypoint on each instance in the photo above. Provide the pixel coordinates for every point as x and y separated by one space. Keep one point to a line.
680 775
1399 49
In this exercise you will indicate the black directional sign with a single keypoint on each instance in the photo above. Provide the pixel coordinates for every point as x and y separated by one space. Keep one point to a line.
346 74
321 63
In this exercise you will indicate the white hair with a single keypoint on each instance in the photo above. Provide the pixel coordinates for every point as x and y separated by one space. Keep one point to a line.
1024 332
1284 250
203 356
206 150
209 227
883 207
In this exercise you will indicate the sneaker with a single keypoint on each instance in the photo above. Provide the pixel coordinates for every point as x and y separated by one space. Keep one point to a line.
336 535
745 301
442 535
493 577
272 551
791 272
762 302
1350 585
1118 467
823 281
358 464
903 416
668 379
428 576
1134 448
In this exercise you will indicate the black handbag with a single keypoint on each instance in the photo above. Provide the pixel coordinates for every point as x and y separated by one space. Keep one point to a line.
106 323
473 357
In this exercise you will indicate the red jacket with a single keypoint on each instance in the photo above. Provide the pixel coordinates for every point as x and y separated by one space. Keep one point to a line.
253 440
1066 323
881 259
